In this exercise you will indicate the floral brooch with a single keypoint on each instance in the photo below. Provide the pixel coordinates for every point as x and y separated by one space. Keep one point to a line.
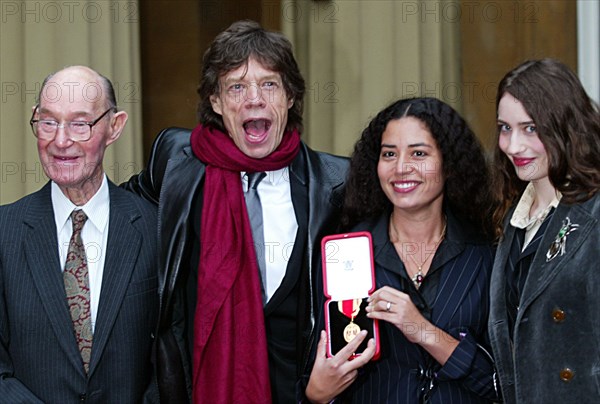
558 246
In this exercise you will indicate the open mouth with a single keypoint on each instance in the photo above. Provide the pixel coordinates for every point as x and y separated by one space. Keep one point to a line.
257 129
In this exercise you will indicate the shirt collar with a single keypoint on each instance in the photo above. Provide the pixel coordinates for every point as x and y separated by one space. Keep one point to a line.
520 218
96 209
273 177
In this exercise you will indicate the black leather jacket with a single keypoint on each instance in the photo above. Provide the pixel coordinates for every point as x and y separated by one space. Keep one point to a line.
171 180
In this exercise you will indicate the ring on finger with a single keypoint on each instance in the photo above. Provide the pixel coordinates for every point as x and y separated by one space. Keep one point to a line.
388 306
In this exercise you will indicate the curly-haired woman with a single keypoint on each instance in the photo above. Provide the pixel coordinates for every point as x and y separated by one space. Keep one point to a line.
545 316
420 184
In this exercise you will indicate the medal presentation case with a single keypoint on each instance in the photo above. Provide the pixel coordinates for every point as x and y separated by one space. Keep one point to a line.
348 279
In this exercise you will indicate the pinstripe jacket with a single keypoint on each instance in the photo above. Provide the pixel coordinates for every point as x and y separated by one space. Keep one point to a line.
455 298
39 358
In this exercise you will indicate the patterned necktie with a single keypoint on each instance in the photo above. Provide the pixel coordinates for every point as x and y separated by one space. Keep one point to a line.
255 215
77 287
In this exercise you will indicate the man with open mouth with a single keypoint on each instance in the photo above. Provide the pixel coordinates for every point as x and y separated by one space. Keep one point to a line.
242 204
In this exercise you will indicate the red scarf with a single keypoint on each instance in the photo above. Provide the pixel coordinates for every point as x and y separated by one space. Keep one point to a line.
230 360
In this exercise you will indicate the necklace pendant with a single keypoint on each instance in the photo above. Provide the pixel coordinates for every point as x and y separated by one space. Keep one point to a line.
418 279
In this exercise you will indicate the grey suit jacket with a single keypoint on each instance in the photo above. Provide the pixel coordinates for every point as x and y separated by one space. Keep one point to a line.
553 355
39 357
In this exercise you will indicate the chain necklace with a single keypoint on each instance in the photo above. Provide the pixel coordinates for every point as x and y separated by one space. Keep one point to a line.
417 278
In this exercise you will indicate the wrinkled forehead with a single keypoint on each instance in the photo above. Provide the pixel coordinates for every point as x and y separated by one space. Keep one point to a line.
253 66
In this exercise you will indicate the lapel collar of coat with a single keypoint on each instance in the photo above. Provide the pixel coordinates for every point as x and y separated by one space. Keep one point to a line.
122 250
384 253
498 280
41 252
498 322
542 272
181 180
309 170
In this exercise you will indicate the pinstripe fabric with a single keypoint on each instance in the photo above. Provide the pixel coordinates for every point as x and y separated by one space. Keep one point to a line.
39 357
458 303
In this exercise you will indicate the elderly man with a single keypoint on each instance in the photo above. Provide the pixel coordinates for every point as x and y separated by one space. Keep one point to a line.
78 284
243 204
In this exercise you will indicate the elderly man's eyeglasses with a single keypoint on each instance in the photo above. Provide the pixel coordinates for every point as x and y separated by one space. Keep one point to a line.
78 131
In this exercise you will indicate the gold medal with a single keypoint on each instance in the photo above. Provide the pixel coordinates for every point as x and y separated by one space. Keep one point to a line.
350 309
351 331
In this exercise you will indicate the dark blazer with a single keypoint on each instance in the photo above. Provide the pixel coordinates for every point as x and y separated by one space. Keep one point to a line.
556 338
39 357
458 304
173 179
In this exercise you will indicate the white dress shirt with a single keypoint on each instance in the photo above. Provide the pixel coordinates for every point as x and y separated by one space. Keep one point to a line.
94 235
279 223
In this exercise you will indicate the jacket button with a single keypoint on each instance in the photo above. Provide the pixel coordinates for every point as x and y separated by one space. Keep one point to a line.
566 375
558 315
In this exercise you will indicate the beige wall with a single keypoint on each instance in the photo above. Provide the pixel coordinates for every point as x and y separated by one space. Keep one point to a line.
40 37
358 56
501 35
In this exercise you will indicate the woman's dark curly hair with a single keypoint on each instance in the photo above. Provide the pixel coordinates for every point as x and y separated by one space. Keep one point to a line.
467 185
568 125
233 48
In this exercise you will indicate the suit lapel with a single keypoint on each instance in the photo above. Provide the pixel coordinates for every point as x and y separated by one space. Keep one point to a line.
174 213
41 251
384 253
498 322
542 272
498 281
122 250
321 196
190 172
